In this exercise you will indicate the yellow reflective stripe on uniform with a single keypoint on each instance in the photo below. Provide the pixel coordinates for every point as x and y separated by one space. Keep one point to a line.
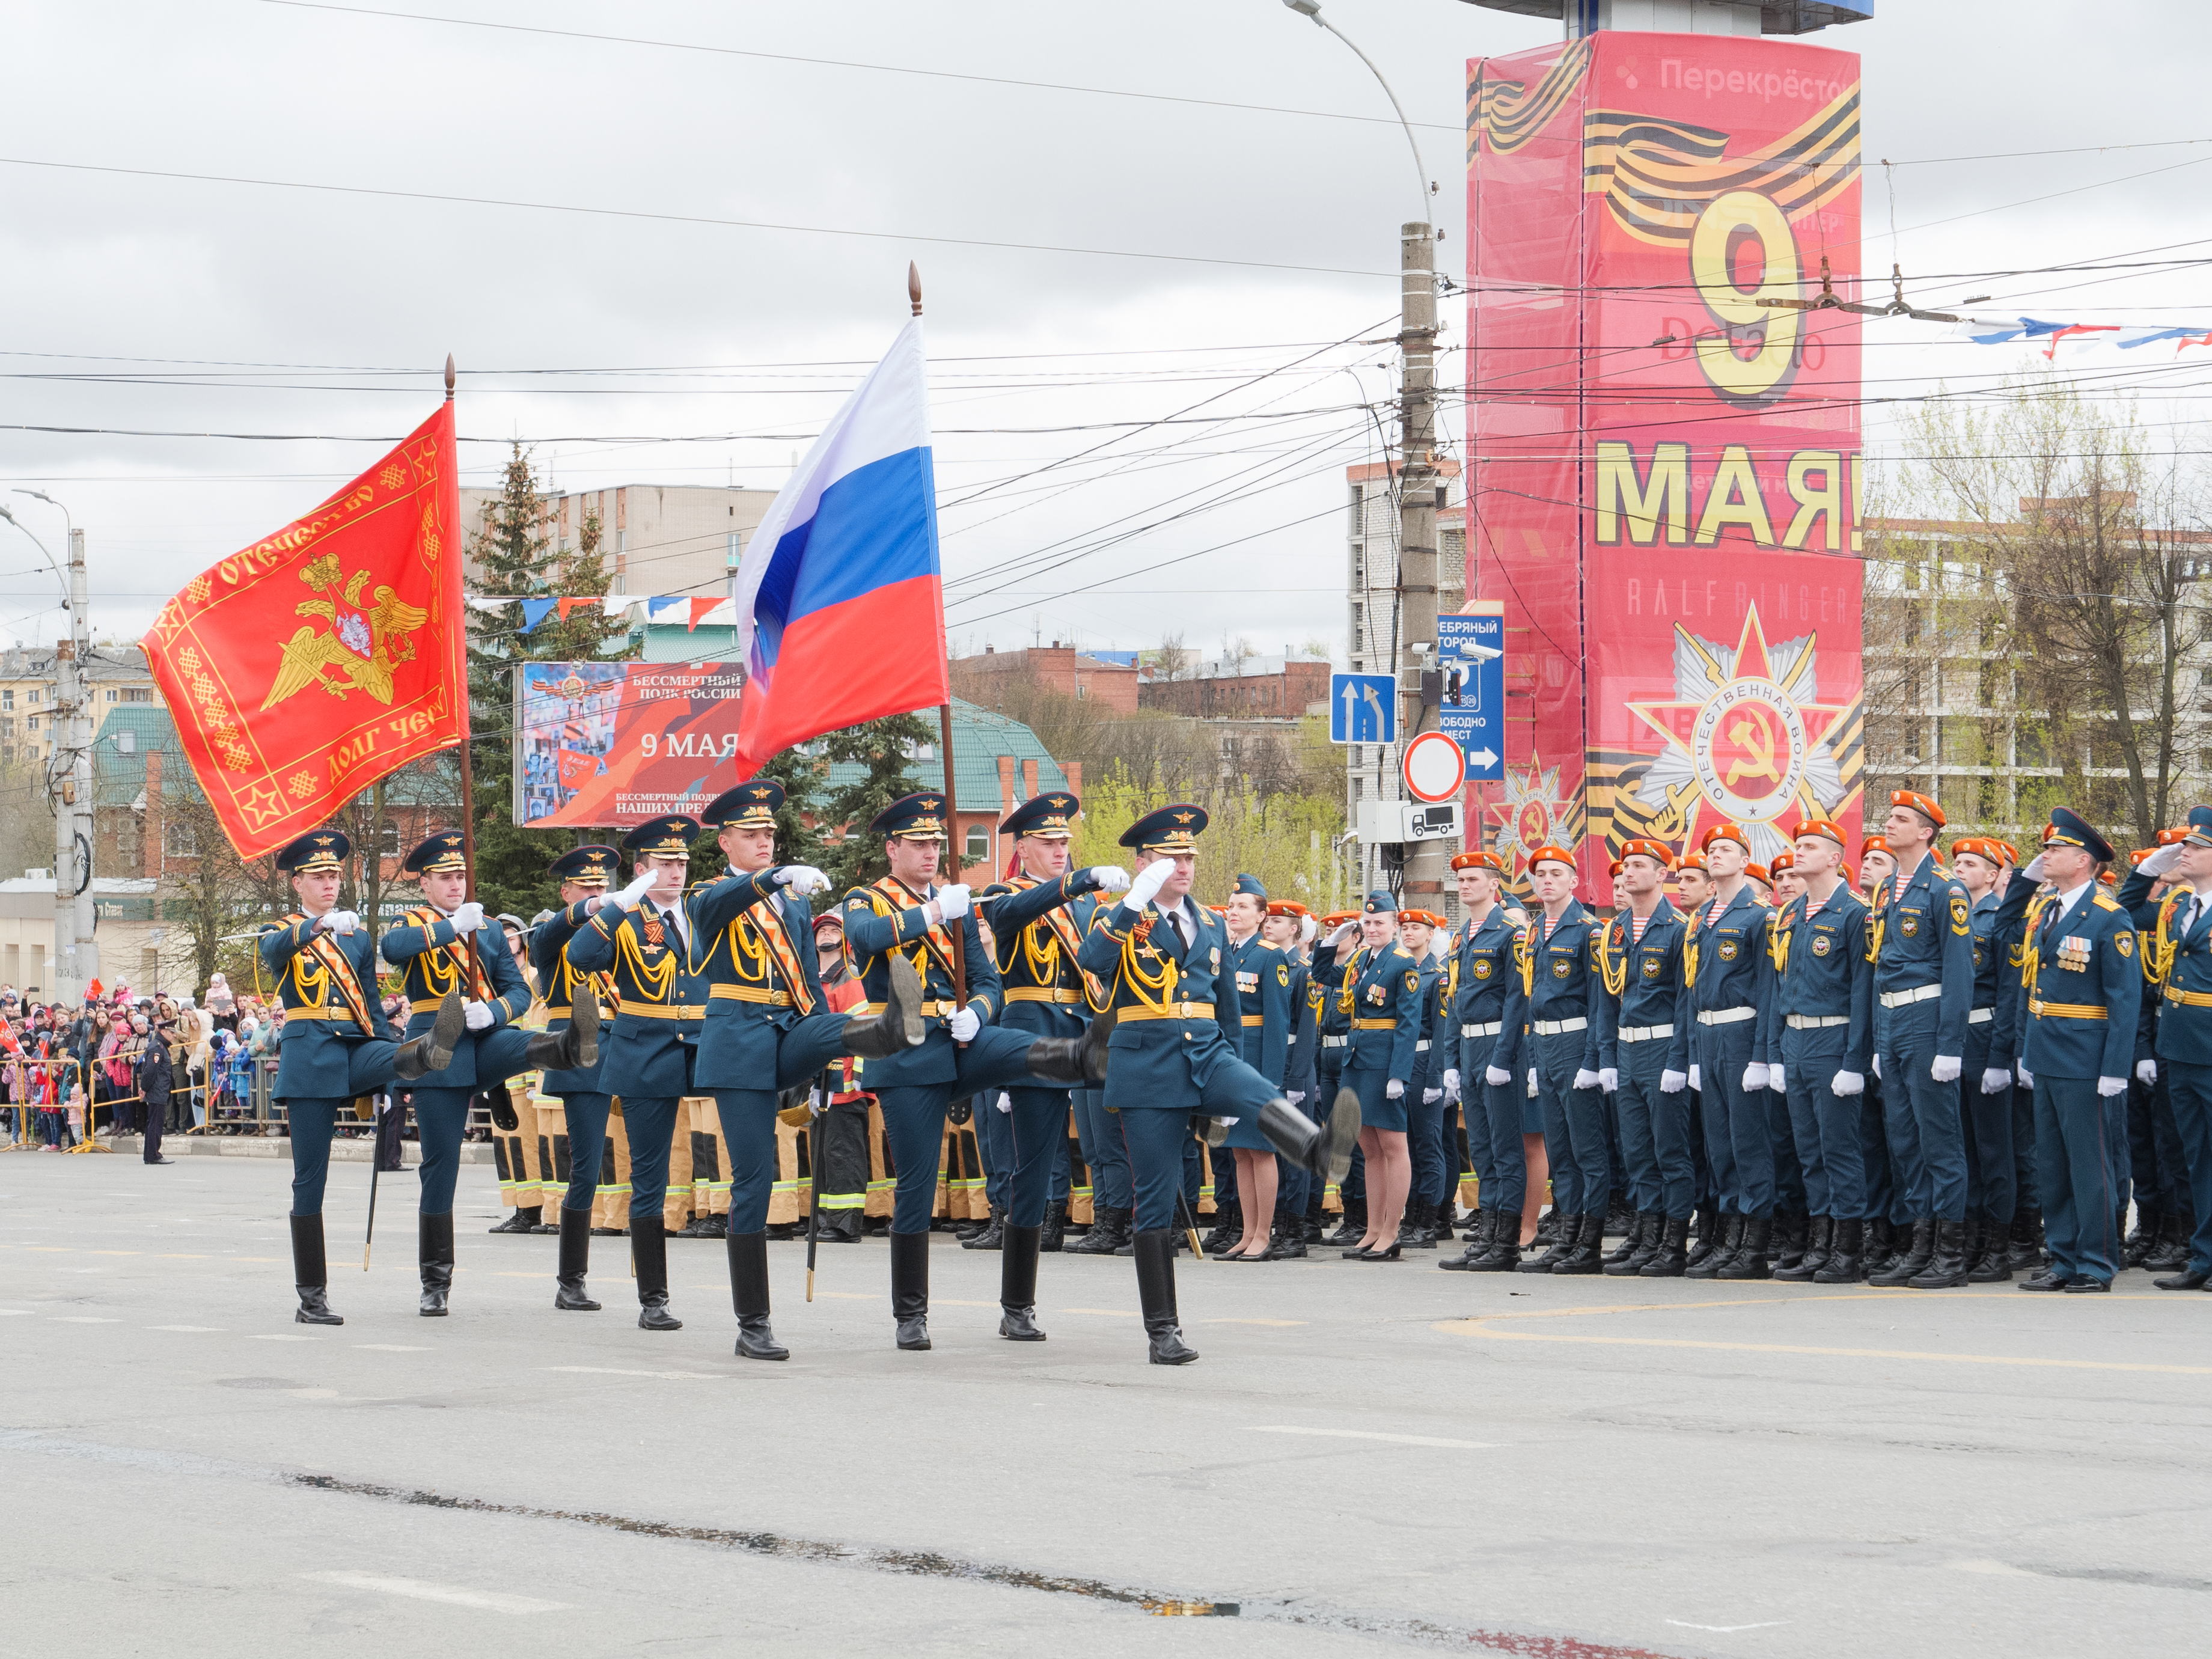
1255 1019
843 1201
946 1007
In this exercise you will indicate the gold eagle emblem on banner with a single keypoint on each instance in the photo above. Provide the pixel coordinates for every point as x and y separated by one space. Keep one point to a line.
361 645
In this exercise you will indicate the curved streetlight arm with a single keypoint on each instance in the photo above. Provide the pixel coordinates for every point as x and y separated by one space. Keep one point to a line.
1421 182
60 576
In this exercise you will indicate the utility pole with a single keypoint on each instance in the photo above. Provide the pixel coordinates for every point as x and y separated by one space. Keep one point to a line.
69 777
1420 685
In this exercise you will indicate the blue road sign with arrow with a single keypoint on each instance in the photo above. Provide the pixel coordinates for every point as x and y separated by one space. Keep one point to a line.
1471 652
1363 708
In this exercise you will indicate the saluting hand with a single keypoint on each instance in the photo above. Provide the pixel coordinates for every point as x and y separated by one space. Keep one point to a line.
1110 877
1145 886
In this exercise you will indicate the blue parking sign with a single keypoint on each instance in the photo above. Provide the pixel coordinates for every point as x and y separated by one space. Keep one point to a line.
1471 652
1363 708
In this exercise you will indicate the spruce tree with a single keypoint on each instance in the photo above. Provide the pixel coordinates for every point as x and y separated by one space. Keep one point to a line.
884 747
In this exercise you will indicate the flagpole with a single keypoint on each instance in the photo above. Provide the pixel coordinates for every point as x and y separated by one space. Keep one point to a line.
944 736
468 771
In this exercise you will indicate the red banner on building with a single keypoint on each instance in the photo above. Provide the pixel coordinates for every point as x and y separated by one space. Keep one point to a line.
1666 483
611 745
325 657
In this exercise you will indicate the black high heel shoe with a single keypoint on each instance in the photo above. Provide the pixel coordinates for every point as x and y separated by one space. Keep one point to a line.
1390 1254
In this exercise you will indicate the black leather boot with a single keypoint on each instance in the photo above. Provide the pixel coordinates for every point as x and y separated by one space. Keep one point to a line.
1711 1226
748 1254
1992 1263
910 1288
993 1236
1670 1258
1584 1257
433 1253
1502 1255
1879 1245
1946 1265
2027 1238
1354 1227
1156 1296
1017 1270
1631 1238
522 1220
1440 1220
576 1261
648 1246
434 1050
1072 1062
1568 1232
1109 1230
898 1027
1413 1226
1791 1238
310 1278
1843 1266
1289 1241
1054 1235
1749 1261
1322 1150
1911 1262
1228 1228
1640 1258
575 1049
1547 1228
1727 1240
2169 1252
1479 1233
1814 1255
2137 1244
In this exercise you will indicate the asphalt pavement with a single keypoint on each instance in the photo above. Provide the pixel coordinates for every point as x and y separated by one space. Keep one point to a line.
1366 1460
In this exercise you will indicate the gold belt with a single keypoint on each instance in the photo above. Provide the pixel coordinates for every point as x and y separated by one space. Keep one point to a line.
1173 1011
666 1010
2189 999
927 1008
1374 1024
1255 1019
749 993
1069 996
2066 1009
347 1014
427 1006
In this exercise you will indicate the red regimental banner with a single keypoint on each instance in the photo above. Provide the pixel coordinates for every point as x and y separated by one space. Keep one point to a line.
303 669
1666 478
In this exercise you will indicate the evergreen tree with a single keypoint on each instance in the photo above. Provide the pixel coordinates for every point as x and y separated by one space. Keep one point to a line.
885 747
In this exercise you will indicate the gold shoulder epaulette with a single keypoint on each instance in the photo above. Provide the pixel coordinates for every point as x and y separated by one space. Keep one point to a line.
2105 900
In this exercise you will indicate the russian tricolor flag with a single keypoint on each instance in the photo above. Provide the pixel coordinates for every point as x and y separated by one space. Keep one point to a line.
840 605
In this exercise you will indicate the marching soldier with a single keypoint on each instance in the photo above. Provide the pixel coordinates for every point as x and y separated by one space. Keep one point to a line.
767 1026
337 1045
905 916
444 948
2082 987
1377 986
1728 975
1644 1059
1816 1033
1175 1020
1484 999
1924 986
1992 1042
643 939
583 873
1038 925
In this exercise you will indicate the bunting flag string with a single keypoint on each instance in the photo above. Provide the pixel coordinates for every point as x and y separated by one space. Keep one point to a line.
688 610
2125 337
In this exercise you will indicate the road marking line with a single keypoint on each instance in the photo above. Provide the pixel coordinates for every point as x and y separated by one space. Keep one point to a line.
184 1328
452 1594
1725 1630
390 1347
16 1313
1367 1434
610 1371
1483 1328
84 1319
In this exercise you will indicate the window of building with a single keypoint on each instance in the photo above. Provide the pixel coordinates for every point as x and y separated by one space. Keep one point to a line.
112 695
31 698
32 724
181 838
137 694
7 698
978 844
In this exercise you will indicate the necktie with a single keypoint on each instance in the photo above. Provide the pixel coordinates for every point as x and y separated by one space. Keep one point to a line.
1175 926
2196 909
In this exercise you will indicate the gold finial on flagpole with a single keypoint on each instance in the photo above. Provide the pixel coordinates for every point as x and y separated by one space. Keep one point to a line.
914 287
449 377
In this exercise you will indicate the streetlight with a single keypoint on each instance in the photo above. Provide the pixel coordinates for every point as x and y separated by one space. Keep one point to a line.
59 575
1424 186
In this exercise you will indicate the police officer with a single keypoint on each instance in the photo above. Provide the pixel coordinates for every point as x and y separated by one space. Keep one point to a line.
1643 1059
1427 1106
449 947
1924 989
583 873
2177 966
2082 987
1727 976
1037 925
1816 1033
905 915
337 1044
769 1025
1376 983
1485 998
1993 1049
643 939
1175 1020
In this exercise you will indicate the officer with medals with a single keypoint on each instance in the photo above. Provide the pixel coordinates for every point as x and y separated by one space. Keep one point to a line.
905 916
1816 1033
1287 924
642 938
2165 1212
445 948
1038 924
1176 1021
1727 976
1924 990
1376 985
583 873
1992 1049
1261 974
1332 1024
1483 999
2177 967
337 1045
2081 987
767 1026
1643 1057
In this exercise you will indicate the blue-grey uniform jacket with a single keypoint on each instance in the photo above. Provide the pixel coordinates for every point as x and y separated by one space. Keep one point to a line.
1262 975
1176 1019
1487 999
887 916
1038 928
752 949
434 959
1925 938
1379 995
1726 965
2080 987
330 1008
650 1052
1643 985
1821 973
1559 976
560 982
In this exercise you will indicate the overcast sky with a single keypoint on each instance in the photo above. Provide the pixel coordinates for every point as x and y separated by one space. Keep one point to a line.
179 283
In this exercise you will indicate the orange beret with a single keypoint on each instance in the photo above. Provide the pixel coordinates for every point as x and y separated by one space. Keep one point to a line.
1427 917
1981 848
1782 861
1823 827
1551 852
1691 862
1655 850
1724 832
1758 873
1923 804
1873 844
1489 861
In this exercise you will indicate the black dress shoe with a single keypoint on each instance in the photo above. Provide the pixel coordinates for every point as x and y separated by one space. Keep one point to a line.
2087 1287
2189 1279
2042 1281
157 1160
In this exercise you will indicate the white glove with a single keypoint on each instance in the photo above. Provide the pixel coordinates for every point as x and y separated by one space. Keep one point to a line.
634 895
1995 1078
1294 1095
1754 1077
1005 1103
1497 1076
1431 1096
2026 1077
1608 1078
1344 930
1147 883
1774 1078
2147 1069
469 918
1584 1080
1451 1079
804 879
1944 1068
1877 1065
951 903
1694 1082
2109 1086
341 922
477 1014
1847 1082
2161 861
1673 1083
2033 871
1393 1090
964 1025
1110 877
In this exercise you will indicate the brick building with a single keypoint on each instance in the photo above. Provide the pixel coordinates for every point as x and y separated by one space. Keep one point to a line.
986 679
1247 687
